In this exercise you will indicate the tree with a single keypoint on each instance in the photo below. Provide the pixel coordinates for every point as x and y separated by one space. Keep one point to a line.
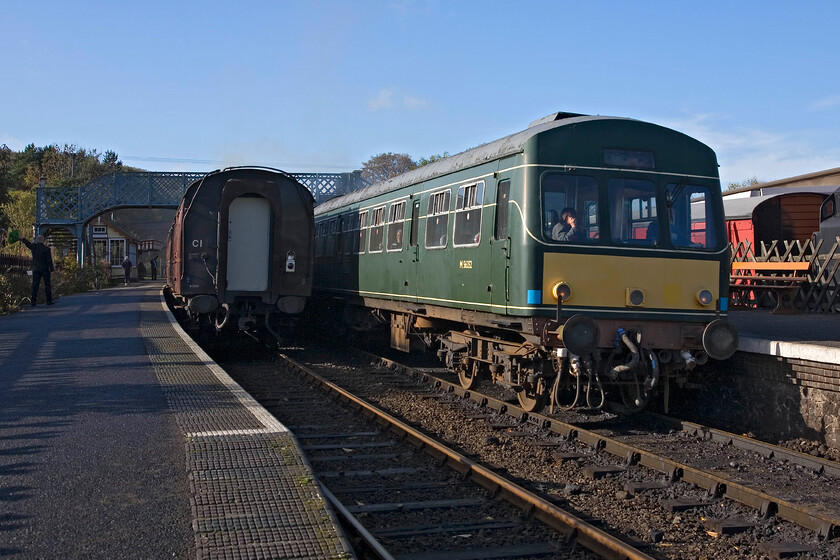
431 159
745 183
19 212
387 165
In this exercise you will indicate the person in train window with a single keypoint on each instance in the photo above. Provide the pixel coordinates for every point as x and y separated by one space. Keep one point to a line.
566 229
397 242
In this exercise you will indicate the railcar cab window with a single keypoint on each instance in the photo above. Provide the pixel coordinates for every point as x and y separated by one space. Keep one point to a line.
437 220
377 227
691 216
633 216
468 215
361 240
396 217
570 208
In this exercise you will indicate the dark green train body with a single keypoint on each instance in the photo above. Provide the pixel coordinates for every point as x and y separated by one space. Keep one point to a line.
468 252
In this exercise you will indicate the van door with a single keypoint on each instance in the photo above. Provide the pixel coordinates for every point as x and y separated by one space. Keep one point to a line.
249 240
500 251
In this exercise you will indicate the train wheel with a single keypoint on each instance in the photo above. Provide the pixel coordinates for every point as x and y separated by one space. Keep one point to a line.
532 396
469 374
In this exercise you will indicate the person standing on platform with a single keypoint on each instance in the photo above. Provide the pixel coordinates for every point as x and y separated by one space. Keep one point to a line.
42 266
126 264
141 270
154 268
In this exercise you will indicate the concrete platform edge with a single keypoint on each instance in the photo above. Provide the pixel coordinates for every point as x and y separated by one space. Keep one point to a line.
795 350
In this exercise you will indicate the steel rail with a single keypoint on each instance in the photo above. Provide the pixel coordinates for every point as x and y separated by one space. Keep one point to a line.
373 544
817 464
825 526
572 527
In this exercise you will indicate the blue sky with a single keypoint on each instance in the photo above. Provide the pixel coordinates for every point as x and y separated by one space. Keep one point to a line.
322 86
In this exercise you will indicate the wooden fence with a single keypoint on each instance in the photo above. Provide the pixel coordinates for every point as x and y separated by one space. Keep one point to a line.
15 264
819 294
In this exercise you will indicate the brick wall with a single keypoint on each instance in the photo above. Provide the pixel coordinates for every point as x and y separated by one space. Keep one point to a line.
771 396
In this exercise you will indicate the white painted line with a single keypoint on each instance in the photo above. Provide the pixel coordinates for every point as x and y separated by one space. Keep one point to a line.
256 431
795 350
261 414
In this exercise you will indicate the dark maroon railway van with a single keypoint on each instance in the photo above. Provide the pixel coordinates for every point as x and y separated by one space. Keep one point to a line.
240 251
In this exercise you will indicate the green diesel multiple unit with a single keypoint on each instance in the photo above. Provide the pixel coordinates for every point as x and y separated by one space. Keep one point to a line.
476 253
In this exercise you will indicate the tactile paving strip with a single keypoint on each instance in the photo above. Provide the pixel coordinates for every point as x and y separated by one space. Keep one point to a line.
253 493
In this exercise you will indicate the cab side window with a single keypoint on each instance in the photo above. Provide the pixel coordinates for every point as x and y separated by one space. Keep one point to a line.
500 228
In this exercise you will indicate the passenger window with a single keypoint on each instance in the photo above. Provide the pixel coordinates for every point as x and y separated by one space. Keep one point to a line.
468 215
348 233
396 217
570 208
361 240
332 238
633 215
377 233
500 228
437 220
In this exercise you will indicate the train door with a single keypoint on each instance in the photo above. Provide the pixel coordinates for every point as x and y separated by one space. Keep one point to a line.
249 240
500 250
414 249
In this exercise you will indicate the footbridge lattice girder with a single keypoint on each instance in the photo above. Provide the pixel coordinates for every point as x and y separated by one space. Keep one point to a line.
72 207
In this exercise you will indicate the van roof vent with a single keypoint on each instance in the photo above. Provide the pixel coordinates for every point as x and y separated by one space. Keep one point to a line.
555 117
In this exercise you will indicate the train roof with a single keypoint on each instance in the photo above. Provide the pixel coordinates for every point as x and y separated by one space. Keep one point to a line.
497 149
742 207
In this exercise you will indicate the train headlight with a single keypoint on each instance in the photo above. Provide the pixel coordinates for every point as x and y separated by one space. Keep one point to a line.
580 335
704 297
635 297
561 291
720 339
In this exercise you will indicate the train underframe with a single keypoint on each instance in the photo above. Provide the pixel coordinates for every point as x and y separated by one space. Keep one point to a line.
248 315
563 364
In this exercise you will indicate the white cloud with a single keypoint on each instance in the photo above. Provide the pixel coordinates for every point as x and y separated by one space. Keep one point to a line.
384 100
825 103
754 152
413 103
388 99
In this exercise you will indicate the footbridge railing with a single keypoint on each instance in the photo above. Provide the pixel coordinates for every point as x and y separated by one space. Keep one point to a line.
71 208
77 205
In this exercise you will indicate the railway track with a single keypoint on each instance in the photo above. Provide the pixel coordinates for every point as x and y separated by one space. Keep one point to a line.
410 496
719 502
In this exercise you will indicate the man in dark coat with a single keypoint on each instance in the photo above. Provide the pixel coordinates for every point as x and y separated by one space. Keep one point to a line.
126 264
42 266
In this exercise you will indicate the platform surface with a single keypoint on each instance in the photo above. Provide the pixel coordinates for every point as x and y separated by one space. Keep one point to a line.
809 336
119 438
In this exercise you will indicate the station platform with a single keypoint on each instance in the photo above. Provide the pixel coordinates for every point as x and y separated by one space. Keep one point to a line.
805 336
120 438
